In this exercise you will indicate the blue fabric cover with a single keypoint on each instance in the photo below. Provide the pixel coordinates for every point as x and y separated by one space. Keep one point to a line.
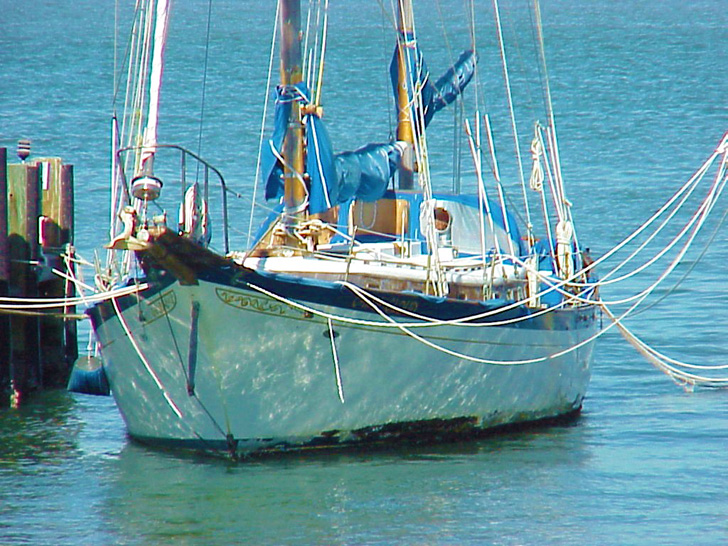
362 174
319 155
434 96
365 173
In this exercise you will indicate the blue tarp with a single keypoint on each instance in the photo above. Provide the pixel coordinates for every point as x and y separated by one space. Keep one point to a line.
365 173
452 82
319 156
272 168
434 96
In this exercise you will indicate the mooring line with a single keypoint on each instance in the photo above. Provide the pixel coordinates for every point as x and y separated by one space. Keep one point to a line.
144 360
337 370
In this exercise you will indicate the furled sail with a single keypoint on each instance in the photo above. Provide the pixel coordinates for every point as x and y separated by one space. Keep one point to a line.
364 173
333 179
434 97
160 42
322 187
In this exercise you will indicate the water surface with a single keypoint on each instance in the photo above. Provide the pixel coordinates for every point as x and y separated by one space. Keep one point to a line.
640 97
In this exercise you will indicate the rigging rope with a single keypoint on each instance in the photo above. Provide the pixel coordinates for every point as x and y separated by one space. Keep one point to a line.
689 187
689 269
50 303
186 375
319 83
662 362
512 111
422 158
483 201
204 83
271 57
158 382
144 360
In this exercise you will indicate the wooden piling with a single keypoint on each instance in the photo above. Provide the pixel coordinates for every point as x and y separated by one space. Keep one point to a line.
4 256
25 365
4 278
58 348
36 198
67 223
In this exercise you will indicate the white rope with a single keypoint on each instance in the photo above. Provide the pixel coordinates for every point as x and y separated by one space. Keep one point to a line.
296 174
511 108
658 230
73 279
76 259
549 103
405 328
307 56
553 183
700 217
144 360
319 83
691 183
428 321
48 303
697 220
475 152
160 385
537 175
468 321
422 159
262 128
445 350
337 370
692 266
478 360
661 362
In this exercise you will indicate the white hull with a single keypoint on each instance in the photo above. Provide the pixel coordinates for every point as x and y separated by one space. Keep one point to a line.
265 372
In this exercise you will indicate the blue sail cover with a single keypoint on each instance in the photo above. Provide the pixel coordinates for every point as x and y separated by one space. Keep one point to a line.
362 174
365 173
434 96
452 82
319 156
271 165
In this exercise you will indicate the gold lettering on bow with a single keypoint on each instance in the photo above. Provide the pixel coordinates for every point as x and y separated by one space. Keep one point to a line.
252 303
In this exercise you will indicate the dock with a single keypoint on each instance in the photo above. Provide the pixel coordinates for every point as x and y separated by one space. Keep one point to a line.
38 338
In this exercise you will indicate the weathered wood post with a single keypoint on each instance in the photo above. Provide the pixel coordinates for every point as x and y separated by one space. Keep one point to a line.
37 346
25 365
4 278
66 221
57 340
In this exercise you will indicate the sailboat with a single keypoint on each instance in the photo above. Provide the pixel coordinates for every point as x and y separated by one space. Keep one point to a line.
369 308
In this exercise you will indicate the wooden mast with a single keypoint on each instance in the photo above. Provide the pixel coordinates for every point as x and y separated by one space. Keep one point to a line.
405 127
293 152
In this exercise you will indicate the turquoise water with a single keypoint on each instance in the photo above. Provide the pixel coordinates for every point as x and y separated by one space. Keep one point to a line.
641 97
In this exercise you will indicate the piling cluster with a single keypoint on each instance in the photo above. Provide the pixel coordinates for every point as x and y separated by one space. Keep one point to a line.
38 344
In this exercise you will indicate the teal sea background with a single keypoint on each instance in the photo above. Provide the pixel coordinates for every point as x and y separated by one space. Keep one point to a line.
641 98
